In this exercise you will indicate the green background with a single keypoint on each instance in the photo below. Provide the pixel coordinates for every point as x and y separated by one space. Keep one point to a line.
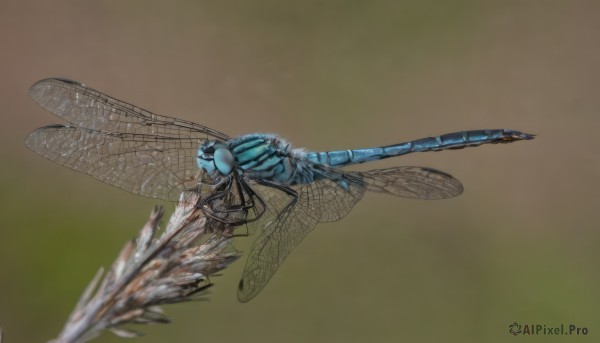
521 243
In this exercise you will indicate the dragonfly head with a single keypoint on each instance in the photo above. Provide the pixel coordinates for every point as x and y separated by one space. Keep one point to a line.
215 158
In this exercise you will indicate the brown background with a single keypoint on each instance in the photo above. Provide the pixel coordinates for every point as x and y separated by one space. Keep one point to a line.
521 244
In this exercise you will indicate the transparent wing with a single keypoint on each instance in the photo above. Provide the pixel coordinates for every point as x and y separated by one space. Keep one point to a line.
289 218
281 229
85 107
411 182
141 164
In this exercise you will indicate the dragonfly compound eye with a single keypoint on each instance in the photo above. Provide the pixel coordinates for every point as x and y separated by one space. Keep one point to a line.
223 159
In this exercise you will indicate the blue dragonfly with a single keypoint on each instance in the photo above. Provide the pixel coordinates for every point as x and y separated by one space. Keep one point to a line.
255 179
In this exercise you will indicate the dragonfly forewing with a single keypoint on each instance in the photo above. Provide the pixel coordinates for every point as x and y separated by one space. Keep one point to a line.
85 107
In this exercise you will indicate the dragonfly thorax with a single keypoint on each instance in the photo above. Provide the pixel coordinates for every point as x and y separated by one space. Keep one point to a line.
215 158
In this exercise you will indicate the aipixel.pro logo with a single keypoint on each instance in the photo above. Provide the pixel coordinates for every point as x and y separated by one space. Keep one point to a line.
516 329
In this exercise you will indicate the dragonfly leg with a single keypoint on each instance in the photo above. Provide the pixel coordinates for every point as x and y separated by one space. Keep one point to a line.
217 197
259 201
233 206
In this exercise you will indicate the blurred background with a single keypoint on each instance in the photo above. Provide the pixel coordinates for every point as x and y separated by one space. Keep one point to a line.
519 245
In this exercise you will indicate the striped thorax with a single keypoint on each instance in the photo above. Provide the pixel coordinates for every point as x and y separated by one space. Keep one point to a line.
255 157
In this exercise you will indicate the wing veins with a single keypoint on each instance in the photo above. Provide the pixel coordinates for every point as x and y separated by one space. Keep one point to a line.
88 108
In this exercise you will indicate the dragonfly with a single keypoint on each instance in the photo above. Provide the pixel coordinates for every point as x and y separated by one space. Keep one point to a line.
281 193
